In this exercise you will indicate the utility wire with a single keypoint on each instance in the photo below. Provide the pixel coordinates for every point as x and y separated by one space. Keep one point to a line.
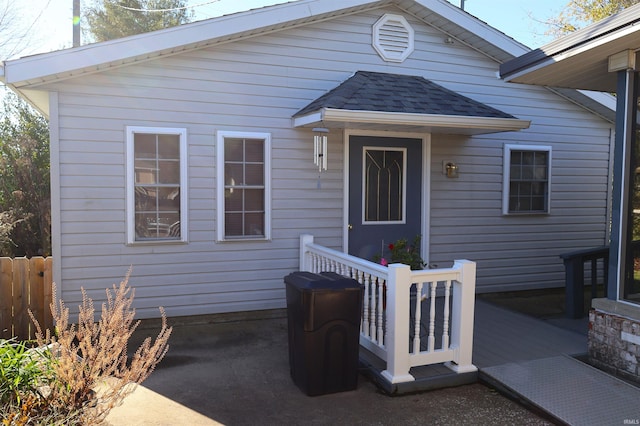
173 9
39 15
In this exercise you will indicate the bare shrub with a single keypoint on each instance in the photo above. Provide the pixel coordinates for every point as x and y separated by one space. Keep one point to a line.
92 372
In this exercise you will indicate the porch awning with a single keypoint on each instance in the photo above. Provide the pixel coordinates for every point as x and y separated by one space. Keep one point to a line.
579 60
380 101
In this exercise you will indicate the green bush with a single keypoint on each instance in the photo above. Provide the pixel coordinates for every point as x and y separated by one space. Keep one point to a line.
25 375
22 371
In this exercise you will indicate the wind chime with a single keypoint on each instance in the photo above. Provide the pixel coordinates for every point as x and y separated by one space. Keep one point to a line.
320 150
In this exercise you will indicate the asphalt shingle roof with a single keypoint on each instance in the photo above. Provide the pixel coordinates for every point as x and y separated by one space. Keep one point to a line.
373 91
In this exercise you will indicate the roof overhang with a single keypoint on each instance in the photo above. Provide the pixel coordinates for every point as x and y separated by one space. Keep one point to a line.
579 60
394 121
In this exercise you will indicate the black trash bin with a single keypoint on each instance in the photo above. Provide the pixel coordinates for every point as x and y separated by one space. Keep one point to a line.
323 313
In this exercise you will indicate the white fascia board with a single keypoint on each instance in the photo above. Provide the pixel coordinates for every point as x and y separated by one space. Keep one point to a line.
605 99
409 119
476 26
308 119
36 68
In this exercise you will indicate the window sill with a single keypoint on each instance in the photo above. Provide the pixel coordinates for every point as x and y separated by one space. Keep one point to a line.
157 242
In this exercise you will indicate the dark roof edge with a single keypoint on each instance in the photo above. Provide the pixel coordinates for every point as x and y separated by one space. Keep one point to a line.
626 18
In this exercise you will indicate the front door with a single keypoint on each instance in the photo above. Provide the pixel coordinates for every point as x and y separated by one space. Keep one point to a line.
385 193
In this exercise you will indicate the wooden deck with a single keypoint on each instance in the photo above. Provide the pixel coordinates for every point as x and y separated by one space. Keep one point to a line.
501 336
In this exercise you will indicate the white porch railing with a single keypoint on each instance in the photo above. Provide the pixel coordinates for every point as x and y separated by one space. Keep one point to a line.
432 326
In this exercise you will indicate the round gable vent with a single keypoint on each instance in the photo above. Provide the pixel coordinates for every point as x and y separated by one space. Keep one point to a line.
393 38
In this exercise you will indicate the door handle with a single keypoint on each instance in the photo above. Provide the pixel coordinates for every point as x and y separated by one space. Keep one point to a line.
349 227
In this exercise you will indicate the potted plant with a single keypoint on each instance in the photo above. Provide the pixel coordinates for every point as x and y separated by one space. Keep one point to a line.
401 251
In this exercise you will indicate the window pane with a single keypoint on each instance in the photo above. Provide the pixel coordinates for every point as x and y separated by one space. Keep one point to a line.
169 171
233 150
146 171
541 159
151 225
233 199
527 172
516 173
145 198
254 224
233 224
537 204
254 200
537 188
169 146
169 199
254 174
233 174
254 150
540 173
516 157
145 145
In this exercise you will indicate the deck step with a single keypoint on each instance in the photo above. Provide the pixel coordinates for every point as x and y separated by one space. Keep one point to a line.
428 377
569 390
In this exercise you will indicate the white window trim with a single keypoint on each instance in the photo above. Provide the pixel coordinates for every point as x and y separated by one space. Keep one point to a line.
220 137
506 163
130 182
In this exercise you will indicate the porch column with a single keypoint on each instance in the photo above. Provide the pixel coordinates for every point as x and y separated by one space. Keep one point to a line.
397 339
619 251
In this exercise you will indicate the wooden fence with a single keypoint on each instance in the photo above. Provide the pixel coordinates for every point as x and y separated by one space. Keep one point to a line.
25 284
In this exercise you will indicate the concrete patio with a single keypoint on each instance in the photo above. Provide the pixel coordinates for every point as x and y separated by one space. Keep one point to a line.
236 372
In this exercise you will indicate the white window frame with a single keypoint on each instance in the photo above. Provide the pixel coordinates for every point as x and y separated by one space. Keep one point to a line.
220 138
130 182
507 177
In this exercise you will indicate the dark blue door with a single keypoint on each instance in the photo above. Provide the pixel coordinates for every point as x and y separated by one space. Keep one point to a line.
385 192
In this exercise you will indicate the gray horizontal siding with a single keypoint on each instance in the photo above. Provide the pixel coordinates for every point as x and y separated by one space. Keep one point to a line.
257 85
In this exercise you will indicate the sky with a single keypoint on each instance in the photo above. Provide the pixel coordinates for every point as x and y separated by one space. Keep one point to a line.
49 22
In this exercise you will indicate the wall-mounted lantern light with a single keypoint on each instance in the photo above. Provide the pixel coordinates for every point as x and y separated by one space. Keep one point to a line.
450 169
320 147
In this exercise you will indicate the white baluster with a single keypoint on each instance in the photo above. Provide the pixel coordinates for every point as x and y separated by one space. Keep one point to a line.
417 318
343 270
365 315
432 317
372 323
445 325
380 283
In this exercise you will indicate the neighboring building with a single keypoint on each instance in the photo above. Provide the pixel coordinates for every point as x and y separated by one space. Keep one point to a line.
603 57
188 153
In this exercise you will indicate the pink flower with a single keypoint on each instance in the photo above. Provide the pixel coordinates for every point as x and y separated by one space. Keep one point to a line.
383 261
